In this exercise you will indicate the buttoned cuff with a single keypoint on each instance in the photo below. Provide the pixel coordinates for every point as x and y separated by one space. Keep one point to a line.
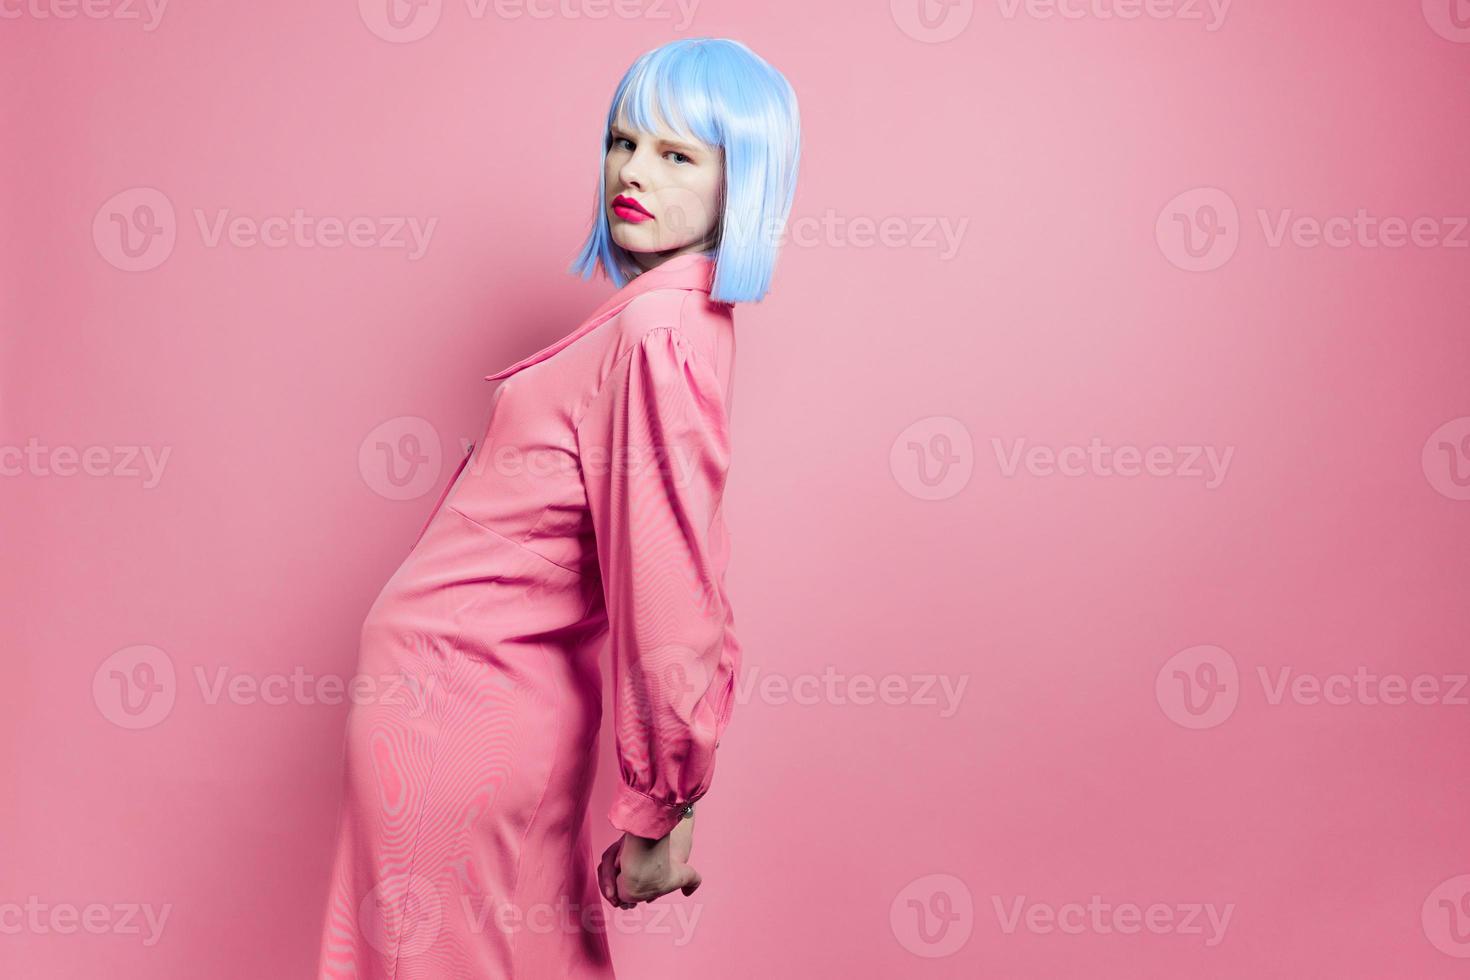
641 815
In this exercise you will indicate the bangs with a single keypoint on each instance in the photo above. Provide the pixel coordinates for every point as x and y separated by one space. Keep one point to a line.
669 93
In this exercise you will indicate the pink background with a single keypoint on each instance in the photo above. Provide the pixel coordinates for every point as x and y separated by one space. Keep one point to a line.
841 838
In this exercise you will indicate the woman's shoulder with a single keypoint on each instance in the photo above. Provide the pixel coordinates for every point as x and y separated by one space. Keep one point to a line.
690 312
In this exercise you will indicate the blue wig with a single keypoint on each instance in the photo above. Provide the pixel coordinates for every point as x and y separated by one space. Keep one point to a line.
721 93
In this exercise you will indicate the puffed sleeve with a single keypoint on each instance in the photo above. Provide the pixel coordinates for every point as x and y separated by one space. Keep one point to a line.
655 450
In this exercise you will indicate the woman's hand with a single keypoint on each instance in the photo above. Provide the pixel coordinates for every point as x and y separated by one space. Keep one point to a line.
640 869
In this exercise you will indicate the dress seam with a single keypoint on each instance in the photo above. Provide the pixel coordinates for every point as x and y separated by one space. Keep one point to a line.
581 416
418 839
512 541
521 848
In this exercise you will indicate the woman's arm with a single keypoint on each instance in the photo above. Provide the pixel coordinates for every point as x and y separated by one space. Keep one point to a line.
655 452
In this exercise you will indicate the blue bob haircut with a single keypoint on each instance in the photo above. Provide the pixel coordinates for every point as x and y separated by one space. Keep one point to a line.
723 94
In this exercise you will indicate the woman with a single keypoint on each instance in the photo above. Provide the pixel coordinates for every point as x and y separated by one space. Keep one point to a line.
591 507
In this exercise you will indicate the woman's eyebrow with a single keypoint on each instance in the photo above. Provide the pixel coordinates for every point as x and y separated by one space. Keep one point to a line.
689 147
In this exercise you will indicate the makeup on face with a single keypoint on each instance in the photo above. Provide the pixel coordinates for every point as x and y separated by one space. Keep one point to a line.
629 209
662 190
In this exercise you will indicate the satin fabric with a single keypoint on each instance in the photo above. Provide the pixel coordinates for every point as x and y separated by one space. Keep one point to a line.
588 514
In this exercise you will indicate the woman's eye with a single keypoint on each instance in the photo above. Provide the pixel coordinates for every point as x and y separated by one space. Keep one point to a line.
618 140
681 158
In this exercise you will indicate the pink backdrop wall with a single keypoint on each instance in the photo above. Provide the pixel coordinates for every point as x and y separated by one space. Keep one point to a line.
1100 493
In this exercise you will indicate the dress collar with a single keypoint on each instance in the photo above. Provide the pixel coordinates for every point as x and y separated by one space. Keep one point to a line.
692 270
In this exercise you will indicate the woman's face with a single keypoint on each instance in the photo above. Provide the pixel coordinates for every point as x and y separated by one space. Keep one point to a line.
676 183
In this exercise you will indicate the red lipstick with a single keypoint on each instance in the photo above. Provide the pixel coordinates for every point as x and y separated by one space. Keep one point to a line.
630 210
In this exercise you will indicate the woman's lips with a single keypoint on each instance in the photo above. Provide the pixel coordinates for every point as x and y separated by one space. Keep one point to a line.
628 214
629 210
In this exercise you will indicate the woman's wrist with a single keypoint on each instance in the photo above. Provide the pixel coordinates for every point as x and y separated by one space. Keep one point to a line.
649 843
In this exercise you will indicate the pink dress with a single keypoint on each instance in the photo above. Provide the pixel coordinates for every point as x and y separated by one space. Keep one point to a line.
589 510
